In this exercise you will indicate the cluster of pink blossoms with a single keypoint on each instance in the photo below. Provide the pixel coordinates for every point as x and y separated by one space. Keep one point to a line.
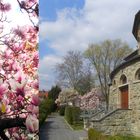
90 101
19 80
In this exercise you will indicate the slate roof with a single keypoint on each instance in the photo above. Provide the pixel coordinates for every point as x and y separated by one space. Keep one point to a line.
129 60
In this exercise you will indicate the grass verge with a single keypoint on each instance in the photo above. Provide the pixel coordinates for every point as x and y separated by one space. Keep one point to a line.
78 126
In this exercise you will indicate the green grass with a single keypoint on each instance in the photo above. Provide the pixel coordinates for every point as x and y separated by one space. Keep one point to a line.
96 135
123 138
77 126
118 138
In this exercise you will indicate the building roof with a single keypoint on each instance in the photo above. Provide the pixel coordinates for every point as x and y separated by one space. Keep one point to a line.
130 59
43 94
131 55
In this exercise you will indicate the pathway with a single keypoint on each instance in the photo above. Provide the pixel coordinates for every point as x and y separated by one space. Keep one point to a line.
55 128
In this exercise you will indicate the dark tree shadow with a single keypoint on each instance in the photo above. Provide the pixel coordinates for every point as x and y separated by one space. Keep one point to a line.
44 130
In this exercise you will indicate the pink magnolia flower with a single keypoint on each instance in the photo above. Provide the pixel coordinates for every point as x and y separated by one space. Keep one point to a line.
32 124
35 84
5 7
20 100
7 54
20 77
35 99
35 59
33 109
20 32
18 85
3 89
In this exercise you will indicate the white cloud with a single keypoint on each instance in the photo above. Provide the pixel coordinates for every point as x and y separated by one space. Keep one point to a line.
47 70
16 16
98 20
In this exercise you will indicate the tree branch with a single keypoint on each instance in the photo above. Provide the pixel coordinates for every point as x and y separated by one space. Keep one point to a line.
3 136
11 122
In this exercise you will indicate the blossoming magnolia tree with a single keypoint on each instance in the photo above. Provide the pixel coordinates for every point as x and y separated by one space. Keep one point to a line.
90 101
18 75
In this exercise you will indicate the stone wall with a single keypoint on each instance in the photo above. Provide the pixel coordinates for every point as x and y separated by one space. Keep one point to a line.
119 122
133 87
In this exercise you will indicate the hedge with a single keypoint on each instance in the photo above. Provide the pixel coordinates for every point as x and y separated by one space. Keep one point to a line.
95 135
72 114
68 114
75 114
62 110
45 108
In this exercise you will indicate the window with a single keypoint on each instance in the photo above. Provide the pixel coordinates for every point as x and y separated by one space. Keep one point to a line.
123 79
137 75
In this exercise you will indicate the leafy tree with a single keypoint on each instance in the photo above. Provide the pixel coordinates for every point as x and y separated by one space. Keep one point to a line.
54 92
53 95
105 57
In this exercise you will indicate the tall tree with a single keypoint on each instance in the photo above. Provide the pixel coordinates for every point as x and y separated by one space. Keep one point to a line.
105 57
54 92
53 95
72 72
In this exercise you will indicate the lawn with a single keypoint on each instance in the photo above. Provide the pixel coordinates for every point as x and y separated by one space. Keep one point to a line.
122 138
77 126
96 135
119 138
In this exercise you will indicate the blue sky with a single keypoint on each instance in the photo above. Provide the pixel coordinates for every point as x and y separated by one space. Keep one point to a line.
48 11
73 24
48 8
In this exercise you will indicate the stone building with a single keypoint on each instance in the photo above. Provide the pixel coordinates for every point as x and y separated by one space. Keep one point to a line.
124 105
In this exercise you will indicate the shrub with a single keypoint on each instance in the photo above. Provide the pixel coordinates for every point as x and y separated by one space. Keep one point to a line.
45 108
62 111
72 114
95 135
75 114
68 114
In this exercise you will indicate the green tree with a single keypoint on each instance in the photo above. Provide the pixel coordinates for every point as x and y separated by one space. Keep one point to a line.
53 95
105 57
54 92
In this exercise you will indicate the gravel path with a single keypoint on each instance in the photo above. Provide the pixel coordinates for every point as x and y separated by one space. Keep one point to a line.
55 128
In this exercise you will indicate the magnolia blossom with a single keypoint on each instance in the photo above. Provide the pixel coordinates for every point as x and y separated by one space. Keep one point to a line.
32 124
35 99
33 109
4 7
18 75
3 89
90 101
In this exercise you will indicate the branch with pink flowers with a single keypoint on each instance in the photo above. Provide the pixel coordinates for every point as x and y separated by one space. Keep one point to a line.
19 99
11 122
